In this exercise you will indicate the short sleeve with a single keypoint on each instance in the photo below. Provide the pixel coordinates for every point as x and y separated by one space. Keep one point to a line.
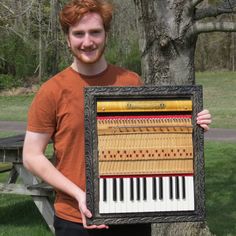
42 112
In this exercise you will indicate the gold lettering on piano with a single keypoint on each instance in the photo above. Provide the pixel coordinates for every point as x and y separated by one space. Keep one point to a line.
135 106
142 106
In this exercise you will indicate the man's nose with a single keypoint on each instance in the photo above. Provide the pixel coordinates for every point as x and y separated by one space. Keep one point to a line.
87 40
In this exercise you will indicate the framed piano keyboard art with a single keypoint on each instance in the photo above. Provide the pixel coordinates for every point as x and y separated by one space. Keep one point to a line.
144 154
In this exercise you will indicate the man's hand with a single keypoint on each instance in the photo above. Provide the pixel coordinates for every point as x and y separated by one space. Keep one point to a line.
204 119
85 213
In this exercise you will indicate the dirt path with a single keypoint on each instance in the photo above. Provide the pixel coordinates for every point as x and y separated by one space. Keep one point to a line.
216 134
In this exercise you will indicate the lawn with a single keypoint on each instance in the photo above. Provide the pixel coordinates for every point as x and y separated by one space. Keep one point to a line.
220 159
220 97
19 216
14 108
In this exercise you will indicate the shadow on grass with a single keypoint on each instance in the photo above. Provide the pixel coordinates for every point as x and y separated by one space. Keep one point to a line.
18 210
221 187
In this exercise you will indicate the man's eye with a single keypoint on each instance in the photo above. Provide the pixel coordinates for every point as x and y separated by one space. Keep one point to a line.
78 34
95 32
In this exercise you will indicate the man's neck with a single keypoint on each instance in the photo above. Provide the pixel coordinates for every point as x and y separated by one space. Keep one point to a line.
90 69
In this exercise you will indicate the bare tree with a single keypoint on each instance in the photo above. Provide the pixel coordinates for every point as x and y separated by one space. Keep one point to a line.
168 31
168 35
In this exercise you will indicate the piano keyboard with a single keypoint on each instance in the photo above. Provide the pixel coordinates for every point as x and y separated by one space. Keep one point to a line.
146 194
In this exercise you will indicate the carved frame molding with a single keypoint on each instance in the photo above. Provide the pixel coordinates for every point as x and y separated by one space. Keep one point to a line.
92 95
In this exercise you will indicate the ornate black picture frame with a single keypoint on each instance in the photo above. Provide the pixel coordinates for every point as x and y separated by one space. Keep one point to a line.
95 94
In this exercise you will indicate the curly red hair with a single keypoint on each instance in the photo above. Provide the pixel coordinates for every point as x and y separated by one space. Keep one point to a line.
76 9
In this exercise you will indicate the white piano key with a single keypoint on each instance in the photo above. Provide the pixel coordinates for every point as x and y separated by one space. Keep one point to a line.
149 204
173 201
128 204
187 201
117 201
103 205
165 202
120 202
140 201
101 202
190 192
111 207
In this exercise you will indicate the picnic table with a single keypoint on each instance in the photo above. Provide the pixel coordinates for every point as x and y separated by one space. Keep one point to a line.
41 193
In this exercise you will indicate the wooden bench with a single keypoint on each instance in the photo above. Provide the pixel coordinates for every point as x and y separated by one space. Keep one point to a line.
41 193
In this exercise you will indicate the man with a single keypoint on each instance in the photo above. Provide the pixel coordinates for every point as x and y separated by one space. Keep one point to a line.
57 113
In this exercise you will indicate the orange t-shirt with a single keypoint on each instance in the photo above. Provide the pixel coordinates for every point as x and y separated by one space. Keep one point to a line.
58 109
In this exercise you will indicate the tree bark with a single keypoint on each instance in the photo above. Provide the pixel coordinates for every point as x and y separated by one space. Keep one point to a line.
54 34
168 32
167 53
167 58
40 49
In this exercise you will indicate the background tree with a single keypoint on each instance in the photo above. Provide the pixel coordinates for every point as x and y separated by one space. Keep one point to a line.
168 35
169 32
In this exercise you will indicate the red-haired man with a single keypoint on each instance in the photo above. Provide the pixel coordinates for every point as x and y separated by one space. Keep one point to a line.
57 113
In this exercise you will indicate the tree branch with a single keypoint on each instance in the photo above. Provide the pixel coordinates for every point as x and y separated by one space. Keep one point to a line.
12 30
3 59
26 10
194 3
199 28
21 13
7 8
227 6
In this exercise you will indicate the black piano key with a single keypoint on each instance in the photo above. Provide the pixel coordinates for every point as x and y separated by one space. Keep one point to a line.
144 189
183 187
104 190
114 190
154 188
171 187
131 189
176 187
160 188
138 188
121 189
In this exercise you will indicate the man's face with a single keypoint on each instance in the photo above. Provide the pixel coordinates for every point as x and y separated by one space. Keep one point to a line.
87 38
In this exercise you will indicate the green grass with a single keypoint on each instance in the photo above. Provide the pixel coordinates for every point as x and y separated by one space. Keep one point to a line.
14 108
4 134
220 159
19 216
219 97
220 169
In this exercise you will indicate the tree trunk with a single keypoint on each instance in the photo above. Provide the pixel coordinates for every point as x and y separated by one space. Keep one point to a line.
167 52
40 49
167 55
54 34
181 229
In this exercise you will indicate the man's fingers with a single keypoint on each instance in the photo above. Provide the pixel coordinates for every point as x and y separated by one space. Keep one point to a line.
102 227
205 127
204 112
207 122
85 223
96 227
84 210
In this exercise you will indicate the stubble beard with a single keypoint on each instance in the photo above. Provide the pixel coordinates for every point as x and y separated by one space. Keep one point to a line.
80 58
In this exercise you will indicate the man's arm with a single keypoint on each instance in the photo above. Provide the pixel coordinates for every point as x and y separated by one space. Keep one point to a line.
36 162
